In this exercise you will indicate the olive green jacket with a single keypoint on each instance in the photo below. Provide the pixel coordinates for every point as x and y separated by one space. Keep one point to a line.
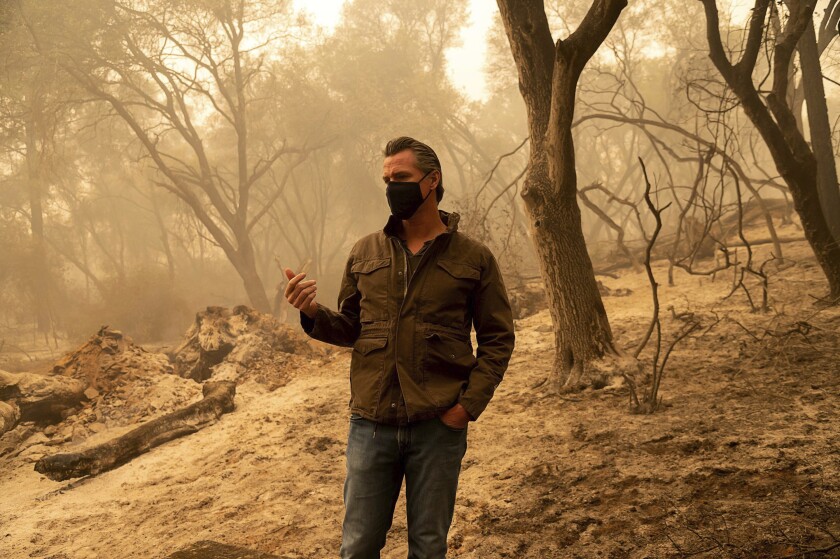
422 328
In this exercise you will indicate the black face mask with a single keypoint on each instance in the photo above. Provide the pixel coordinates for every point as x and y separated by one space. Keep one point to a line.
404 198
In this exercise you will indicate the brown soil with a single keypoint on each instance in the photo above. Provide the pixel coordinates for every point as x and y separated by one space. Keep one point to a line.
741 461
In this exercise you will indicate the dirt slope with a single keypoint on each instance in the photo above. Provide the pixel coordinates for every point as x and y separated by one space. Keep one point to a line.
742 461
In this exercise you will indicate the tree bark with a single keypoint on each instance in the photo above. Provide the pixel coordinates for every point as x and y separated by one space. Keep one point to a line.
218 399
548 75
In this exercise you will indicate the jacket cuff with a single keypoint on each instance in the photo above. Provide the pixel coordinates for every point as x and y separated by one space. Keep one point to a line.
306 323
314 327
475 403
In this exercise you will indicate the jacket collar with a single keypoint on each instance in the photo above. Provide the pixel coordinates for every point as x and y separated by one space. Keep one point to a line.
450 219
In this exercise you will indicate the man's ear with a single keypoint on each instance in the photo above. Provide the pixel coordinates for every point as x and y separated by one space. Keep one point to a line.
435 179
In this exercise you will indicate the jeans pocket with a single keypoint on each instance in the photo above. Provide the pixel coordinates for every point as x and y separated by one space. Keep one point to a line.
453 429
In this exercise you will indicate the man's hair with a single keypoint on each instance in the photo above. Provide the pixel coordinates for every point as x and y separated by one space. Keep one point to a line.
427 159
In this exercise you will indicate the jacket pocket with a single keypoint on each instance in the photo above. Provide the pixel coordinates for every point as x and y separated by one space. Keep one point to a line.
447 363
367 365
372 277
447 354
460 270
370 265
449 291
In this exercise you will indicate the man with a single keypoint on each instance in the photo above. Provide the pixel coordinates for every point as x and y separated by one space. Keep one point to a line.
409 296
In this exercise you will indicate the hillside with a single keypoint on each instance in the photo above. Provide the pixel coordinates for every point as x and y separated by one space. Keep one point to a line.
743 459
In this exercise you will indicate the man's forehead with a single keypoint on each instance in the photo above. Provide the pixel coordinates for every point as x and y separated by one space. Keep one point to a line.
402 159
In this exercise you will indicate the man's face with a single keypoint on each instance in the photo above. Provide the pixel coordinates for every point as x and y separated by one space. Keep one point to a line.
402 167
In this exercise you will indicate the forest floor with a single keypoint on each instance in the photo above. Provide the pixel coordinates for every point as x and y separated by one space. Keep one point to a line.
741 461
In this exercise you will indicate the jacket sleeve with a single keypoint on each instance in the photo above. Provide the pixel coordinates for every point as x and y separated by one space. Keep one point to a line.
493 321
338 328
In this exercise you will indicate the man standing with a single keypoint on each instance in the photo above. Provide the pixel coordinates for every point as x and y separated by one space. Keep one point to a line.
409 296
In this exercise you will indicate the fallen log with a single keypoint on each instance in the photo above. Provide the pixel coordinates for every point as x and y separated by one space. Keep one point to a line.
43 399
218 399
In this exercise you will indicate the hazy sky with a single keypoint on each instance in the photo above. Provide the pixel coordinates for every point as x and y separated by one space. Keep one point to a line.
466 63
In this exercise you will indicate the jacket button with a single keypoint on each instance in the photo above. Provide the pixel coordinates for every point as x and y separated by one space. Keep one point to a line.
399 273
393 405
452 356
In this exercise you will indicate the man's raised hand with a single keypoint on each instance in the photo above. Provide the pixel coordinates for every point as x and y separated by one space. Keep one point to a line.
301 294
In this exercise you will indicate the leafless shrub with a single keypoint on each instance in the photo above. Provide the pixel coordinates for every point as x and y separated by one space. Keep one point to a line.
650 400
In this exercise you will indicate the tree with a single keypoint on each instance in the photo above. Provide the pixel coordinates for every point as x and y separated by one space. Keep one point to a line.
36 103
182 78
772 116
548 76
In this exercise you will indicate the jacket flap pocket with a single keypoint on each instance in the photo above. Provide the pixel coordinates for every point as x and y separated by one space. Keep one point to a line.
451 347
459 269
368 266
440 331
366 345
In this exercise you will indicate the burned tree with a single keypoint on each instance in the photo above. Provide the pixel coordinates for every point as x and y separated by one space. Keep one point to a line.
772 116
548 77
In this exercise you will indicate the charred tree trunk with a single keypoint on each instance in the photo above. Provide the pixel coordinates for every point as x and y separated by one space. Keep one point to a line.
775 122
820 129
548 76
218 399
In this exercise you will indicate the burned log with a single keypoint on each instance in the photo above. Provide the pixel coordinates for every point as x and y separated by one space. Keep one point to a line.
218 399
233 344
43 399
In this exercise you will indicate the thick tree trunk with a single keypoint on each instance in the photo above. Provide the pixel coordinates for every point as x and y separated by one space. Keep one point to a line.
218 400
820 129
584 332
548 75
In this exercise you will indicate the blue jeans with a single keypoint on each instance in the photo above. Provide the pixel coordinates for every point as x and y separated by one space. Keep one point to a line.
428 453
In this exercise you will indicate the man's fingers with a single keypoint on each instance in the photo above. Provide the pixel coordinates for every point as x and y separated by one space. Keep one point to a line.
308 301
293 283
295 293
302 294
298 296
289 273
